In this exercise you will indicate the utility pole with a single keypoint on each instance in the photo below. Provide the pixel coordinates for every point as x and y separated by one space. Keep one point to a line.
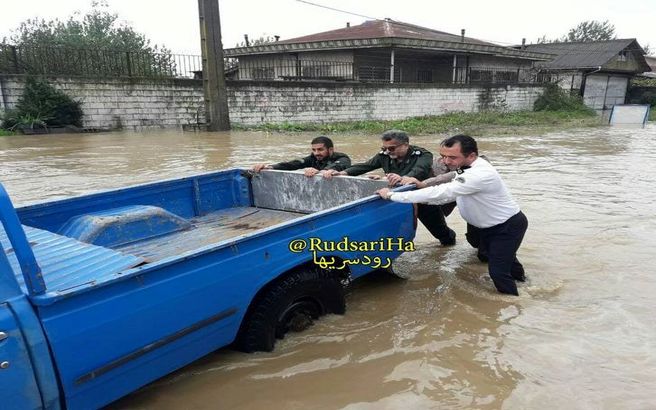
214 85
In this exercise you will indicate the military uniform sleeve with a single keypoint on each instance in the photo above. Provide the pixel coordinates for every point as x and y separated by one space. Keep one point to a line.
440 179
341 163
423 167
292 165
363 167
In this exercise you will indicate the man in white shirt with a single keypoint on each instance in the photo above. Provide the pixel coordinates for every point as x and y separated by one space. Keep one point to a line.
483 201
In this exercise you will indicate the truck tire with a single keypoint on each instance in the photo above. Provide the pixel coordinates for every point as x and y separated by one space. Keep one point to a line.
290 304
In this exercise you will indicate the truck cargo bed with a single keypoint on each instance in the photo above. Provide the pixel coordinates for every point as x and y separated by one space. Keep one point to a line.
67 263
208 229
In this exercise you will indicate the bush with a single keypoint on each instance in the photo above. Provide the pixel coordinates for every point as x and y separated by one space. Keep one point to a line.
42 105
642 92
555 98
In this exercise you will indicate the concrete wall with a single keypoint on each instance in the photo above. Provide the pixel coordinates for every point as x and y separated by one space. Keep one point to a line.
116 103
255 103
147 104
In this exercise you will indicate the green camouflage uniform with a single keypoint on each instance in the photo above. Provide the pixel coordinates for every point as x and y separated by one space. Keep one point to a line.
338 161
417 163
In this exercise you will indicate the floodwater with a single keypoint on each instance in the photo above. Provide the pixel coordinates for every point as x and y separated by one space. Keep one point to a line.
581 334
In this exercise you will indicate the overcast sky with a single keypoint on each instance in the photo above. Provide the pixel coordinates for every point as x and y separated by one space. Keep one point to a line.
175 24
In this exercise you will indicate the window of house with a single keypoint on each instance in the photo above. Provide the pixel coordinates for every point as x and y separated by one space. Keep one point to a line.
316 71
480 76
505 77
378 74
424 76
263 73
622 56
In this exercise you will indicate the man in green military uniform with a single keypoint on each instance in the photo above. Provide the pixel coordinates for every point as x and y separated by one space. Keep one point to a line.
399 159
323 157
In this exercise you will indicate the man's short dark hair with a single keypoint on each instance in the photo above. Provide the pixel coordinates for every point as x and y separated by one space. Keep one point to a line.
400 136
327 142
467 144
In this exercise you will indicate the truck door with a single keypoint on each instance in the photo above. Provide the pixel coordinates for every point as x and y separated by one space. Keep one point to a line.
18 387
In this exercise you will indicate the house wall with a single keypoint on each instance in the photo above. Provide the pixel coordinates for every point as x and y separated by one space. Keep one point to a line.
339 56
628 62
602 91
498 62
144 104
568 80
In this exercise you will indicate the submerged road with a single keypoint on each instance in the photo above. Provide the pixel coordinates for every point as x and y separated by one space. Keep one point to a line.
580 335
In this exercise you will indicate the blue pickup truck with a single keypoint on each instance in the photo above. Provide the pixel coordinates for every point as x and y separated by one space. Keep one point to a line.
103 293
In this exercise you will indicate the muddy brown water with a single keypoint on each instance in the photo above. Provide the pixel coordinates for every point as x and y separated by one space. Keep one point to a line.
580 335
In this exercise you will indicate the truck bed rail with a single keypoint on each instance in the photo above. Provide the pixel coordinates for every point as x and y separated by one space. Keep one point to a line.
21 247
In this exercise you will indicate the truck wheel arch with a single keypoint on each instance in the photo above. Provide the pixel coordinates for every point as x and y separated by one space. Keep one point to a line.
291 302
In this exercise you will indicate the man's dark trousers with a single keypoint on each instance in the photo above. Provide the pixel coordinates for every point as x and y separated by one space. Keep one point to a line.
433 219
501 243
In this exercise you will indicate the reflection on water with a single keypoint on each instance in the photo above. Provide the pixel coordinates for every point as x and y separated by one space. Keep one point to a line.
580 335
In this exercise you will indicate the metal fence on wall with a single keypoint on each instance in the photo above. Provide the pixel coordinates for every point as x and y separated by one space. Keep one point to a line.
78 62
81 62
321 70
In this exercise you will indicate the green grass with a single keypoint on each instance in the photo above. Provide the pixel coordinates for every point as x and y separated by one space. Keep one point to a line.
5 132
472 123
652 114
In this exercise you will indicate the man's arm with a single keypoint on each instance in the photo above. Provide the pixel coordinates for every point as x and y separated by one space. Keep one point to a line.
364 167
293 165
434 181
341 163
436 195
439 180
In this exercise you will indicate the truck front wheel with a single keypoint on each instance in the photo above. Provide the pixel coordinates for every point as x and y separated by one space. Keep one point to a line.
290 304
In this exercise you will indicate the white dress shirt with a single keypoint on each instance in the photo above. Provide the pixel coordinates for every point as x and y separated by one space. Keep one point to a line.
482 197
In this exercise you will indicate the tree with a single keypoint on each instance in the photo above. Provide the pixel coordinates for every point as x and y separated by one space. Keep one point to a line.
590 30
100 40
545 40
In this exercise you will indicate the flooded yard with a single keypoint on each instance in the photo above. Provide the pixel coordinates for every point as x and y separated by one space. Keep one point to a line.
580 335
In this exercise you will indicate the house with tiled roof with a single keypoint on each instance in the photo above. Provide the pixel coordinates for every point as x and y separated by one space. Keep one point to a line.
387 51
598 70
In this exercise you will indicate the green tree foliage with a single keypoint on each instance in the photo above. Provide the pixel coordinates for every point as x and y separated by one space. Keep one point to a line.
42 105
642 91
99 28
97 42
590 30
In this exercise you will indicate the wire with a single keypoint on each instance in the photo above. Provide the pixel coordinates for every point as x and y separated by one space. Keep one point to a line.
338 10
500 43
